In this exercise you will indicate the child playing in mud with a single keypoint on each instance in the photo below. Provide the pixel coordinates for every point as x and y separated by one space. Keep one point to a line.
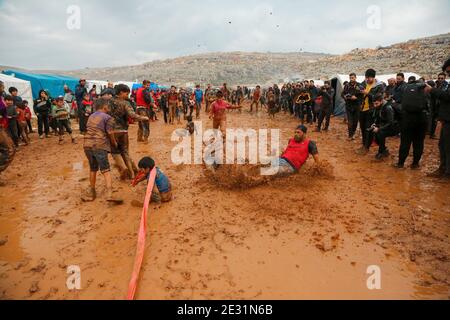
190 127
218 113
22 123
162 191
61 112
98 140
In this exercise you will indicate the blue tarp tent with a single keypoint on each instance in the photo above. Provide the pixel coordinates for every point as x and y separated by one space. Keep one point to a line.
53 83
153 86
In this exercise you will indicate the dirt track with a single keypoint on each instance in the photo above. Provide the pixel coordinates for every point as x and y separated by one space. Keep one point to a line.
304 237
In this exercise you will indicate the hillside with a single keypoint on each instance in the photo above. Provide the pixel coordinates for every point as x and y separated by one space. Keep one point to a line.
216 68
422 56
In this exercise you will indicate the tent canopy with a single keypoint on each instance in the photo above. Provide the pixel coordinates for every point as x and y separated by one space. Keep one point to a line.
24 87
153 86
53 83
337 82
100 84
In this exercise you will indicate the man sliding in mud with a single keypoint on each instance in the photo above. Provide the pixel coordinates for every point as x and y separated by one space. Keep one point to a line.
297 153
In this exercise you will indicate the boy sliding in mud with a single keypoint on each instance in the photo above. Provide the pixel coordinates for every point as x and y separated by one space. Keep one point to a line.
162 191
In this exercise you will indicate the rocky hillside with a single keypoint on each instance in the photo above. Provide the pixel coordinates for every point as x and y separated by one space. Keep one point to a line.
215 68
422 56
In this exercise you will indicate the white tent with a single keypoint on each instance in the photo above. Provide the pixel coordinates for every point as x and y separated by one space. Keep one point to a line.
129 84
99 83
337 82
24 87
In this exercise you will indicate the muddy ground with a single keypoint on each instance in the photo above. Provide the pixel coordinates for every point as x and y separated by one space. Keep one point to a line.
308 236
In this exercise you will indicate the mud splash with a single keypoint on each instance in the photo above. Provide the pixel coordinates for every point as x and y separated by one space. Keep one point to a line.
247 176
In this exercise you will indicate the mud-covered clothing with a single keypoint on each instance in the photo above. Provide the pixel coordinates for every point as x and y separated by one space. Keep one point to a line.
3 114
121 110
256 96
162 191
218 110
190 127
7 150
99 126
13 127
144 98
60 113
98 160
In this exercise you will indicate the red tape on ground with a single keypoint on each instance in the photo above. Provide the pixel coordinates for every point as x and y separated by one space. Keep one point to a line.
141 239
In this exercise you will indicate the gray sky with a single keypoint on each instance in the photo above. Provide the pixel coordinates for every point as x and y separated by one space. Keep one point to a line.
34 34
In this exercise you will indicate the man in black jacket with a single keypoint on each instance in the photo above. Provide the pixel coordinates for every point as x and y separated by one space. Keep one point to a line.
384 125
371 87
80 92
352 96
399 88
314 92
414 123
443 96
441 83
326 109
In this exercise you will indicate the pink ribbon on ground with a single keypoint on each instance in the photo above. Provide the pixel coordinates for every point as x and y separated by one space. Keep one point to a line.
141 239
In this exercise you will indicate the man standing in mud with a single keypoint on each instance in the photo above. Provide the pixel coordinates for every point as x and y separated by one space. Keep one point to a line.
239 96
144 102
198 101
173 100
370 88
327 94
121 110
442 94
256 99
80 92
352 96
226 92
207 94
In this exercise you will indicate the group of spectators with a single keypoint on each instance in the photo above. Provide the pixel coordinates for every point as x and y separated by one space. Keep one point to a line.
410 109
406 108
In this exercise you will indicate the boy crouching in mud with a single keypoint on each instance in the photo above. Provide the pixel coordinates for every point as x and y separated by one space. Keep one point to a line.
98 139
162 191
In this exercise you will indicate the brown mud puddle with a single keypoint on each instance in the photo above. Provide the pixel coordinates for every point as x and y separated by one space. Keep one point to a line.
305 237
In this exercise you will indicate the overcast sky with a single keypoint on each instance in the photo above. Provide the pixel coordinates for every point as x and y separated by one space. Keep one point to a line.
34 34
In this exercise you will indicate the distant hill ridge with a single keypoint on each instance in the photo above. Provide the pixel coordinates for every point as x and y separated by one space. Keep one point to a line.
423 56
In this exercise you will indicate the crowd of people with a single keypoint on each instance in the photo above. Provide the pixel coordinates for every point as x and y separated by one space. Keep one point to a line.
405 108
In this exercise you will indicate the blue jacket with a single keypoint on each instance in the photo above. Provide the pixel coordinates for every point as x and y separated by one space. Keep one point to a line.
198 95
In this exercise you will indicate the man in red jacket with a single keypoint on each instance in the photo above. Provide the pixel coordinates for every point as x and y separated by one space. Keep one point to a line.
144 103
297 152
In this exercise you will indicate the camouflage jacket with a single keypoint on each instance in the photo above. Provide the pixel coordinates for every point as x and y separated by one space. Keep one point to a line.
121 110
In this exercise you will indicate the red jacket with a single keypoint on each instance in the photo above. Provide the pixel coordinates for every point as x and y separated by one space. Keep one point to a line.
297 153
27 113
140 98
